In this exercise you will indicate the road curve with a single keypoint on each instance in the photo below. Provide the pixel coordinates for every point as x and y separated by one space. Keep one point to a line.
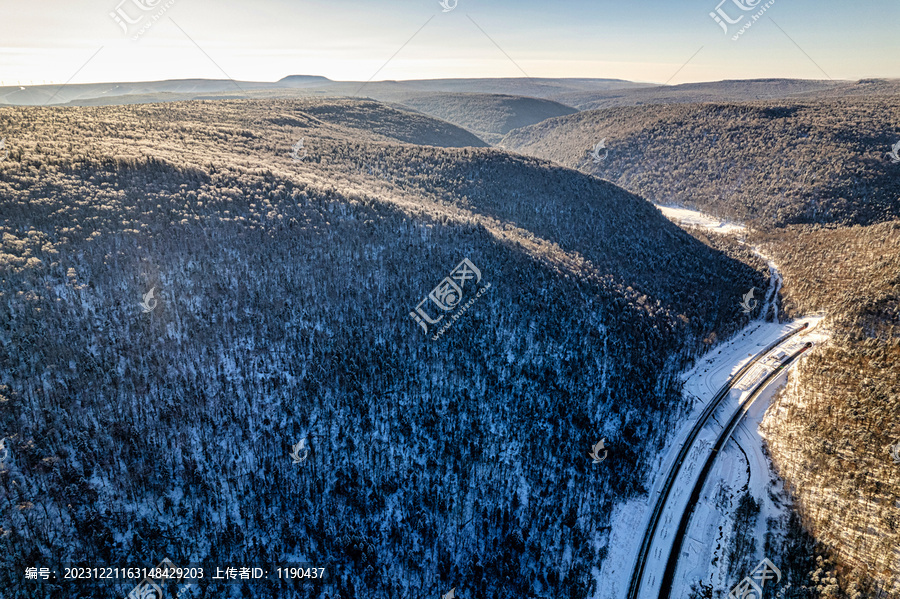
649 534
665 589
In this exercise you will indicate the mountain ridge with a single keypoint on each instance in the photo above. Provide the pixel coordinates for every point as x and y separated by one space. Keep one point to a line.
769 163
284 290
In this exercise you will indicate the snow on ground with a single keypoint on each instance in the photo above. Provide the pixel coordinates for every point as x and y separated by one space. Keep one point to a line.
775 283
741 467
701 384
630 519
624 541
687 217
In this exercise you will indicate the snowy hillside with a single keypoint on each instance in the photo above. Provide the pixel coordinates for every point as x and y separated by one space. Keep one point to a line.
283 275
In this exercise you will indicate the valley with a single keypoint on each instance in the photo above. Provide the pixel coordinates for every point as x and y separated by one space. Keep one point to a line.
211 352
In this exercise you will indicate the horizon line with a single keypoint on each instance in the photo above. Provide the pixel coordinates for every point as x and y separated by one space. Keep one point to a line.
351 81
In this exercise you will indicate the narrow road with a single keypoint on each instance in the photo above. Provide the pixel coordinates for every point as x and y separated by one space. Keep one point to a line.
637 578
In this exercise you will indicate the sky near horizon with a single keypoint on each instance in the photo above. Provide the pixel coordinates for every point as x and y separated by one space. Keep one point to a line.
88 41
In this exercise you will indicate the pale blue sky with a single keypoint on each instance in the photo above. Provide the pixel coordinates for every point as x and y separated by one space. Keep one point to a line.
264 40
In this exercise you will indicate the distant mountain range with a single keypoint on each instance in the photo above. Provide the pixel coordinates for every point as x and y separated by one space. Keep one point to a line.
583 94
293 86
488 108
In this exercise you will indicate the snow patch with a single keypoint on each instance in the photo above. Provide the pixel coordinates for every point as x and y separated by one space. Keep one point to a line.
688 217
626 521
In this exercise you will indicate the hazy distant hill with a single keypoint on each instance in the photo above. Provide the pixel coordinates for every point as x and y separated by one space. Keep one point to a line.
532 87
583 94
713 91
740 90
38 95
774 162
490 116
294 86
283 289
303 81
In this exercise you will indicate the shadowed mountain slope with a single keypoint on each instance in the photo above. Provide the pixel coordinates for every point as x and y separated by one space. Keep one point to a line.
490 116
143 428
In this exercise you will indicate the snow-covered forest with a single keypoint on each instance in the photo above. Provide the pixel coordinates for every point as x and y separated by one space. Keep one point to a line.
283 293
